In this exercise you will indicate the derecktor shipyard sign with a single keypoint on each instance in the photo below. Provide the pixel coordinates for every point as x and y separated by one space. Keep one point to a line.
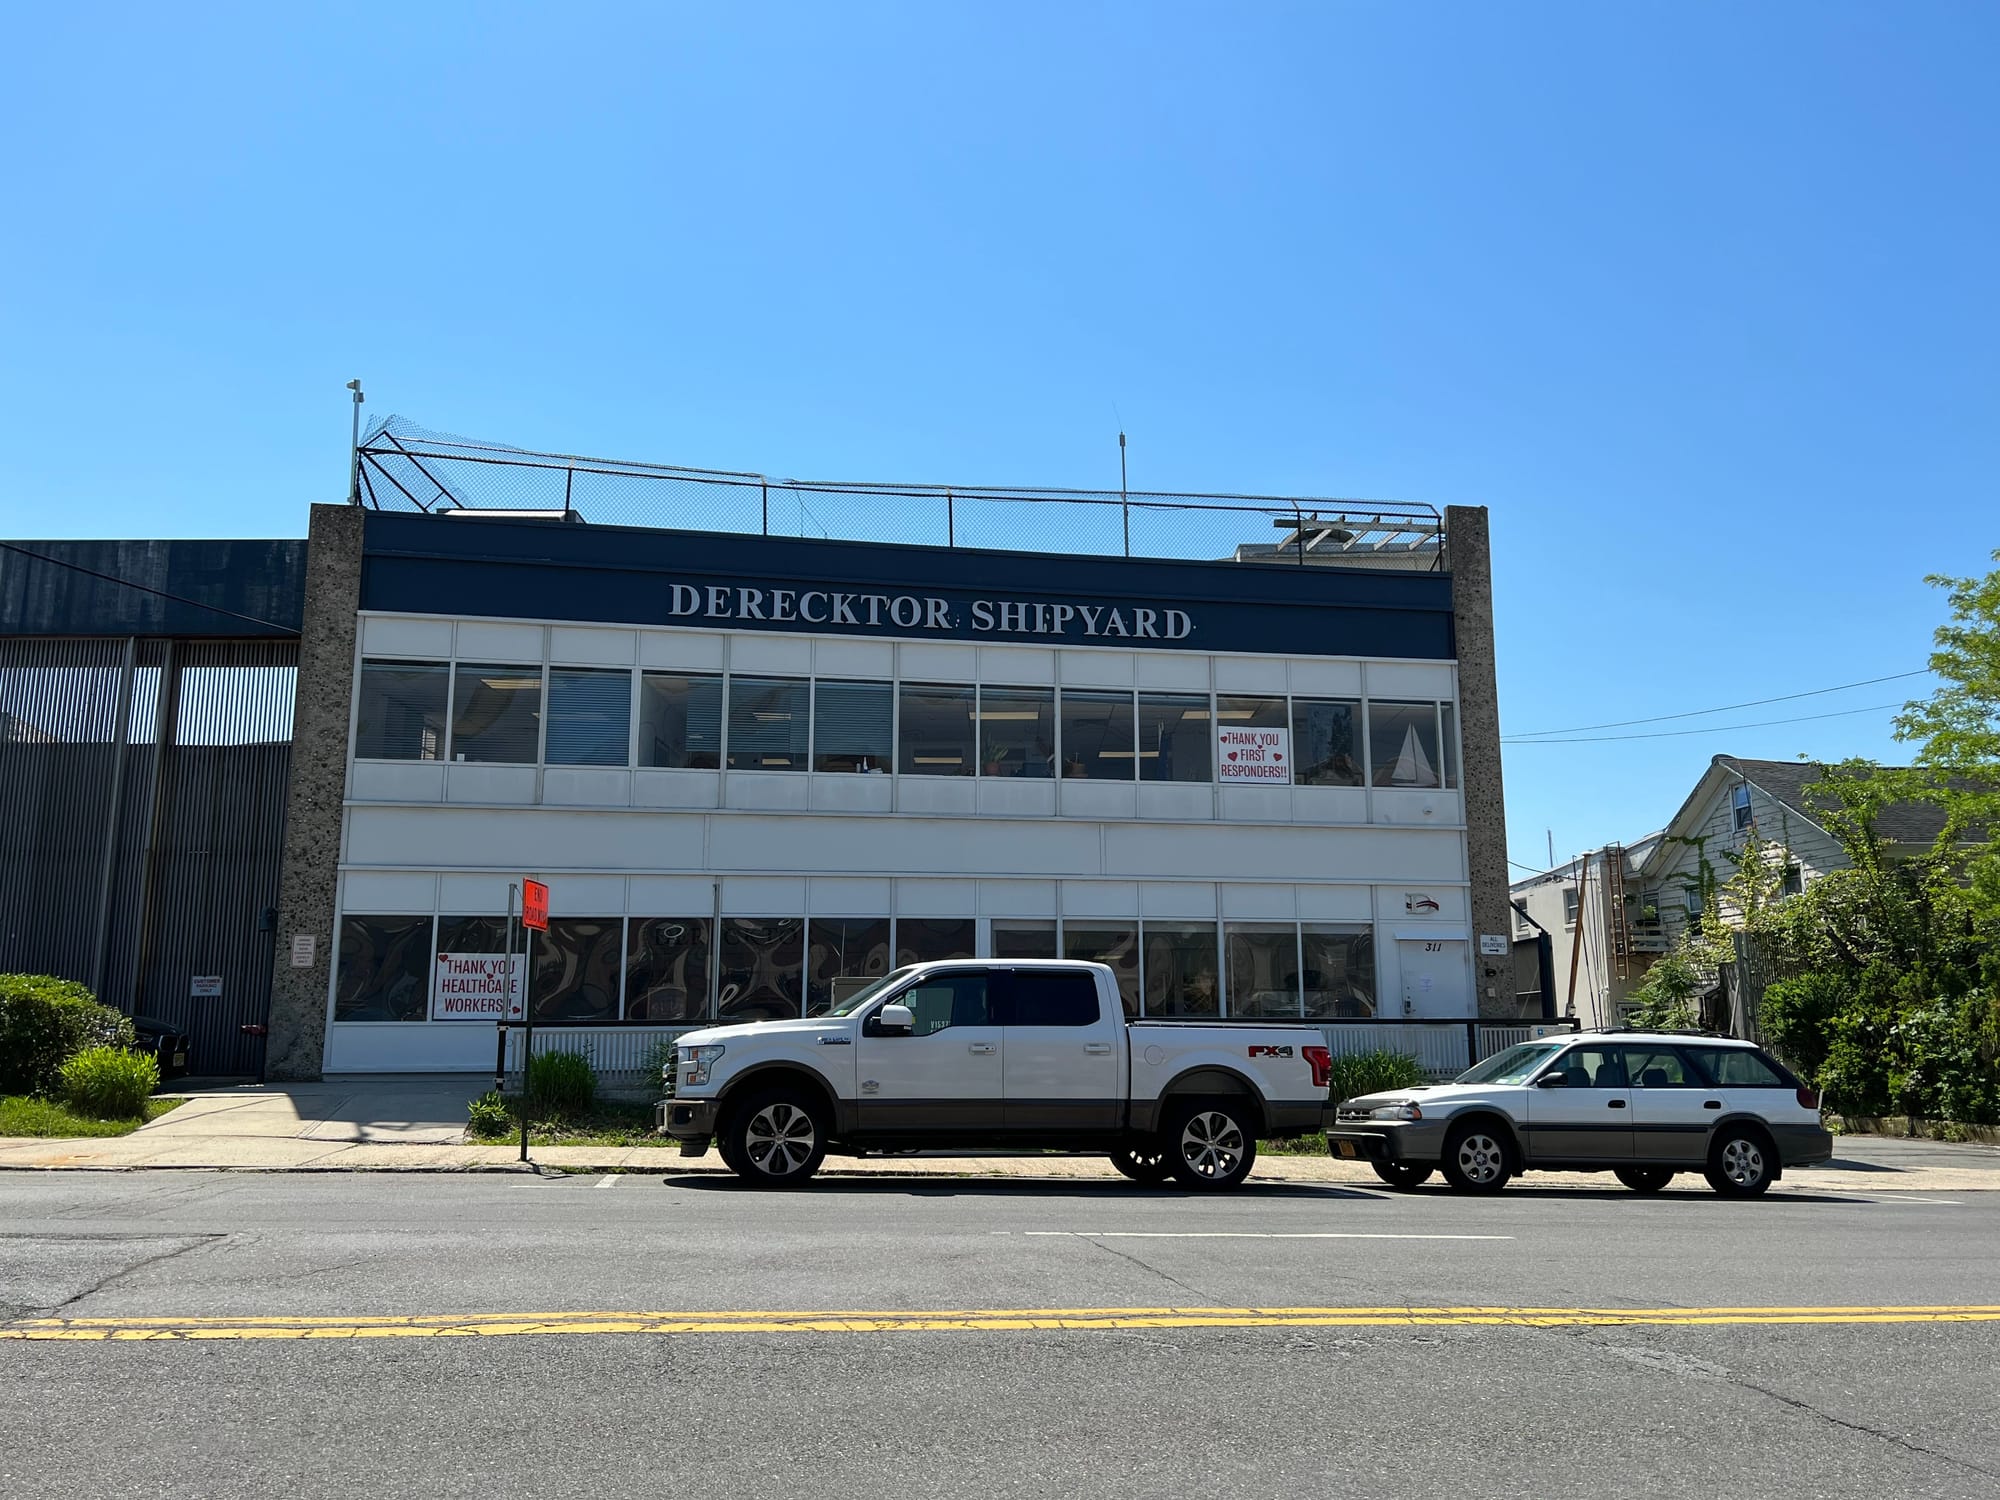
927 612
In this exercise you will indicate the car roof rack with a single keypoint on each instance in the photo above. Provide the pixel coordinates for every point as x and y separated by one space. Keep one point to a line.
1720 1036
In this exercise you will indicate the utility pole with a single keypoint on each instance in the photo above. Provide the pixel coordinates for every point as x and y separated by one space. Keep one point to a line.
354 448
1576 943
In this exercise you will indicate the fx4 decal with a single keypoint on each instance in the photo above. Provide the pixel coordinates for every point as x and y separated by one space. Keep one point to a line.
1270 1051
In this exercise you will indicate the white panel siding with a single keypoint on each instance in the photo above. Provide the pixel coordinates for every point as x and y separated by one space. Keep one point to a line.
494 641
875 660
588 647
385 891
937 898
396 781
1416 681
389 635
1250 675
681 650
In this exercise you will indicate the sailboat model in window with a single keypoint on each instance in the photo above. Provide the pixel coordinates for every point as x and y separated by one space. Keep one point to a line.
1411 766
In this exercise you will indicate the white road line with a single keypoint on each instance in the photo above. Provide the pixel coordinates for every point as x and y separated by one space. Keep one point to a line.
607 1179
1237 1234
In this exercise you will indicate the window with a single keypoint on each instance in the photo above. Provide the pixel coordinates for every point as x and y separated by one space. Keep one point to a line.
1403 744
1326 742
1097 733
1339 975
762 962
1794 881
1017 733
1739 807
680 721
496 714
1691 900
1115 943
1592 1068
1182 969
767 724
1569 905
1448 718
385 969
1046 997
590 717
1263 962
851 726
666 969
1740 1068
929 940
575 973
946 1001
1658 1068
1176 739
934 731
401 710
1251 713
841 952
1024 940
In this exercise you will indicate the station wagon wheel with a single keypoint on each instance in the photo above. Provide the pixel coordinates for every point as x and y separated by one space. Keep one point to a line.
775 1139
1644 1179
1740 1163
1211 1143
1475 1158
1402 1174
1148 1164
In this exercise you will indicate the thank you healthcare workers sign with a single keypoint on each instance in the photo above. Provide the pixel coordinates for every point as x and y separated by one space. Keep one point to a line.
476 987
1254 754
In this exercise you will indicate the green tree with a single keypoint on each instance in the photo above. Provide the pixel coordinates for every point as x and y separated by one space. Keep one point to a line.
1957 730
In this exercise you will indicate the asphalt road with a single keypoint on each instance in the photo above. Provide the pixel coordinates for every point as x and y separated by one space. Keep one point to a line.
1152 1404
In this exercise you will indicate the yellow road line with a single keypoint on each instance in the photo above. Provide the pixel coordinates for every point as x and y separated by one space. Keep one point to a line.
1000 1320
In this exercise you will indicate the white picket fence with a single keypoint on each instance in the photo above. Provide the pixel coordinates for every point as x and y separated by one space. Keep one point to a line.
619 1054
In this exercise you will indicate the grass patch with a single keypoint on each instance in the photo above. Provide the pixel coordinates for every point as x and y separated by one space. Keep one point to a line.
607 1122
22 1115
1294 1145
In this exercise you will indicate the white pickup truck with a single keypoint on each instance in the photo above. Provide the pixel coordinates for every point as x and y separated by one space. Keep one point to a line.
1013 1053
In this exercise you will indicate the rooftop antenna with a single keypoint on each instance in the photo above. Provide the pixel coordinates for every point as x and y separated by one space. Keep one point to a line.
1124 506
354 447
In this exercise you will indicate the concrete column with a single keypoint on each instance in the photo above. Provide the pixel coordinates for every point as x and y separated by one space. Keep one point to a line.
309 877
1469 558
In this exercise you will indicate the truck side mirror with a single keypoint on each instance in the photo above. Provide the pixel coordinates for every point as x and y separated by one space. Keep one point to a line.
896 1020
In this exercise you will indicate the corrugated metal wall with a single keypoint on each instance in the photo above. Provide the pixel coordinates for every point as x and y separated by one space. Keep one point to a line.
136 861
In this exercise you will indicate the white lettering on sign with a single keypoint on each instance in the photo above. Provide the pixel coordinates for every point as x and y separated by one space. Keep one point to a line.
205 987
304 946
926 612
475 987
1253 754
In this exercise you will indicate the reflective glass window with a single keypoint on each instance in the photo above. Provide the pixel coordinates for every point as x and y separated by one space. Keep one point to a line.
666 969
762 961
843 953
1113 942
1403 744
1017 732
851 726
1024 939
576 969
400 714
680 721
1182 969
934 730
496 714
1097 735
1339 977
385 969
767 724
1176 738
590 716
1263 968
927 940
1326 742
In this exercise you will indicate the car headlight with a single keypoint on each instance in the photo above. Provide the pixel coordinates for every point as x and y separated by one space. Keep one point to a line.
1408 1110
696 1063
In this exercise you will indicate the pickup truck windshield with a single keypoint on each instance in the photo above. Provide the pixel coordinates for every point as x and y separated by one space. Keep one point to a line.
1513 1065
853 1003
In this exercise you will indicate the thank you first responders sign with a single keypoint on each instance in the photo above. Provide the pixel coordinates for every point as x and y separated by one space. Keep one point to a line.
476 987
1253 754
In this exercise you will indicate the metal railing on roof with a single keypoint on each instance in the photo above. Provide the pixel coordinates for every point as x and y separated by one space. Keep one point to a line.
406 467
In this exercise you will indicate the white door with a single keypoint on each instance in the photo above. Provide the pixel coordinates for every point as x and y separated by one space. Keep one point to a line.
942 1076
1437 984
1063 1051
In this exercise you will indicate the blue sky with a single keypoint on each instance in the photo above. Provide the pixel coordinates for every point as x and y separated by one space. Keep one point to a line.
1698 299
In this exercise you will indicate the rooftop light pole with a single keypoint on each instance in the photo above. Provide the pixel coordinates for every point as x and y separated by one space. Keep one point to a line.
1124 505
354 448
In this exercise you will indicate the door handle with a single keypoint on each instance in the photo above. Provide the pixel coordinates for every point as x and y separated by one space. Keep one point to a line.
1098 1047
979 1047
1711 1104
1614 1103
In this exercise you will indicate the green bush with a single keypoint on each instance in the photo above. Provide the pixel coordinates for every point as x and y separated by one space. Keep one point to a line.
45 1020
561 1083
109 1082
659 1065
1358 1073
489 1115
1796 1016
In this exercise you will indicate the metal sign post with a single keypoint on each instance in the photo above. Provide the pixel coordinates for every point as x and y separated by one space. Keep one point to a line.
535 918
500 1049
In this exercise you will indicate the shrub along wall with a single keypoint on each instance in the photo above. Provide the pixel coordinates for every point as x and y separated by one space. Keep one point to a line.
44 1022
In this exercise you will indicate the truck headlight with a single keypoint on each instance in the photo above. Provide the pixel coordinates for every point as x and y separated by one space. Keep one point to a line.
696 1062
1409 1110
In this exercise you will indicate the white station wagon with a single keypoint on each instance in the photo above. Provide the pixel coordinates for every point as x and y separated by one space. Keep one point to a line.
1643 1105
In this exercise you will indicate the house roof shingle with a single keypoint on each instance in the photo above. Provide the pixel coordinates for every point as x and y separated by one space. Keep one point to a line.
1791 782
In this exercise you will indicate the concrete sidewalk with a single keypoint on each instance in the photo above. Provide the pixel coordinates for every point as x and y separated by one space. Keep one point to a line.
381 1124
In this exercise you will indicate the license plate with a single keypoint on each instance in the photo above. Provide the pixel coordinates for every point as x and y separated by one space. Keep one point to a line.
180 1059
1346 1148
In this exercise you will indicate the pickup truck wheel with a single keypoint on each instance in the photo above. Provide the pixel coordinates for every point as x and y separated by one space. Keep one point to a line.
775 1139
1211 1144
1143 1164
1402 1174
1644 1179
1475 1159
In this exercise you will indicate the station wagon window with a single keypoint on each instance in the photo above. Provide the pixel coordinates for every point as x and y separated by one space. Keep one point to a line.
1047 997
401 710
1740 1068
1592 1068
946 1001
1511 1066
1658 1068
